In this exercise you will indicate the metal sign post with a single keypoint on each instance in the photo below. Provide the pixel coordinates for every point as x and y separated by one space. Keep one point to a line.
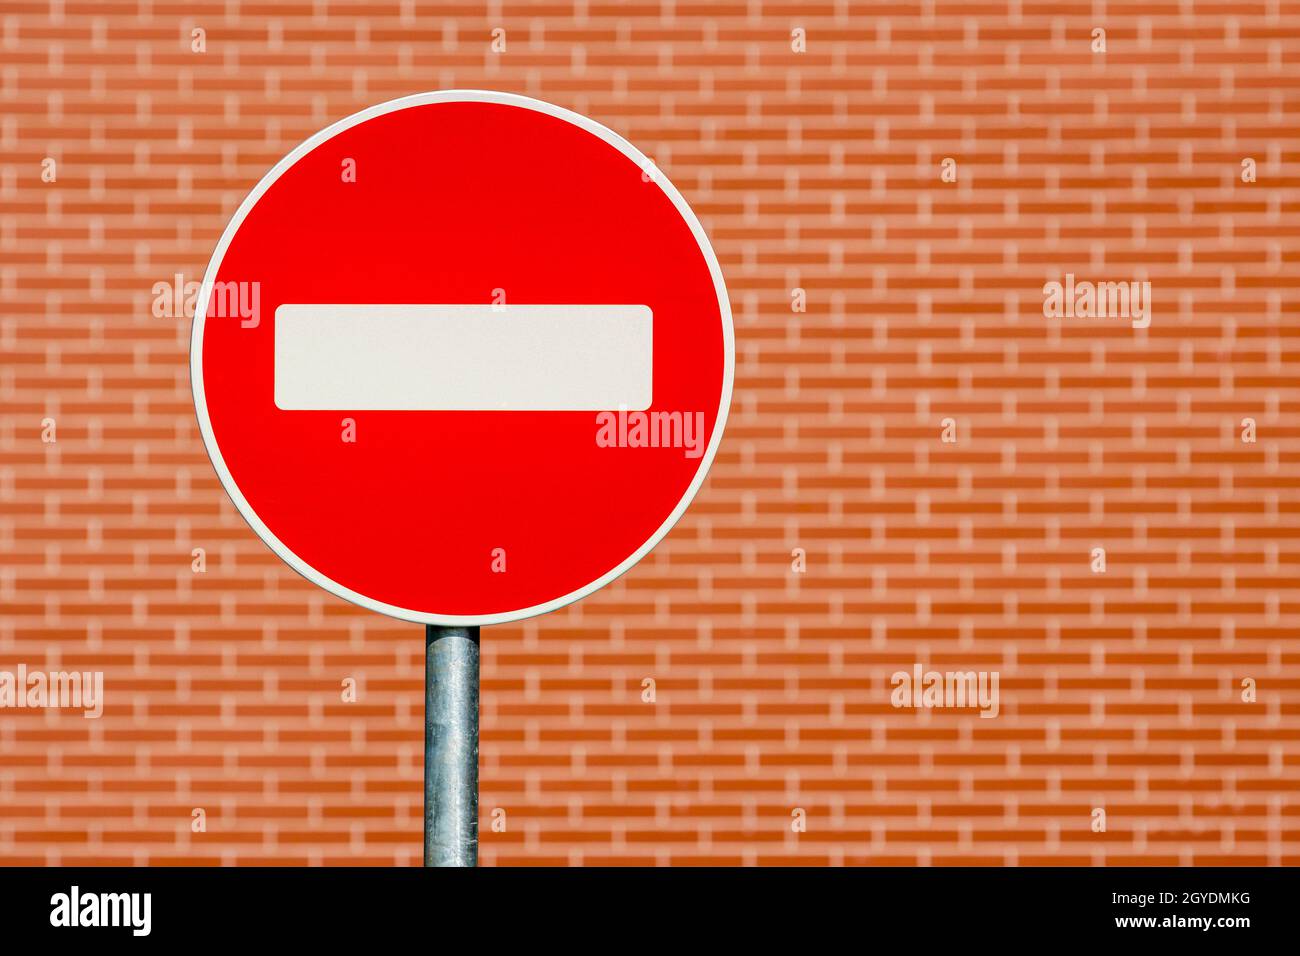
451 746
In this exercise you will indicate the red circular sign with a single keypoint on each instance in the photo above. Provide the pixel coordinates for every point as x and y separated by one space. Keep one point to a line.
463 357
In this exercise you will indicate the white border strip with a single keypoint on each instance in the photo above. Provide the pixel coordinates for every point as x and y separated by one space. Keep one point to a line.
463 358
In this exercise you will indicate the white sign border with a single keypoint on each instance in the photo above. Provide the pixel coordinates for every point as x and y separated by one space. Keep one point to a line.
405 102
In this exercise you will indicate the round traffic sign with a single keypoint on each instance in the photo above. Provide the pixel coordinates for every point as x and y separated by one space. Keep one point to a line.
463 357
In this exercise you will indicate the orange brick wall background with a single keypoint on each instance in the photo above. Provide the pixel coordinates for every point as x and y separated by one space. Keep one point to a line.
818 170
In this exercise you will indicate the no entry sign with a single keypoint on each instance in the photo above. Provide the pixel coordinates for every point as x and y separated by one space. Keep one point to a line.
462 358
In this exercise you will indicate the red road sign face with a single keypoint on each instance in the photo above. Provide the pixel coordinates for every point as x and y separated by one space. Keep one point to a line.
462 358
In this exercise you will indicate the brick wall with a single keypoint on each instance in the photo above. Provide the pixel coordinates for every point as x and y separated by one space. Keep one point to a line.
1126 691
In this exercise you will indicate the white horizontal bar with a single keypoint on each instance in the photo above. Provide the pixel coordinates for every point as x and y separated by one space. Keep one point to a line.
463 357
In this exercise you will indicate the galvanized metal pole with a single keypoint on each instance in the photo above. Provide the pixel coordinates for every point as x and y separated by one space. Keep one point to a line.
451 746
